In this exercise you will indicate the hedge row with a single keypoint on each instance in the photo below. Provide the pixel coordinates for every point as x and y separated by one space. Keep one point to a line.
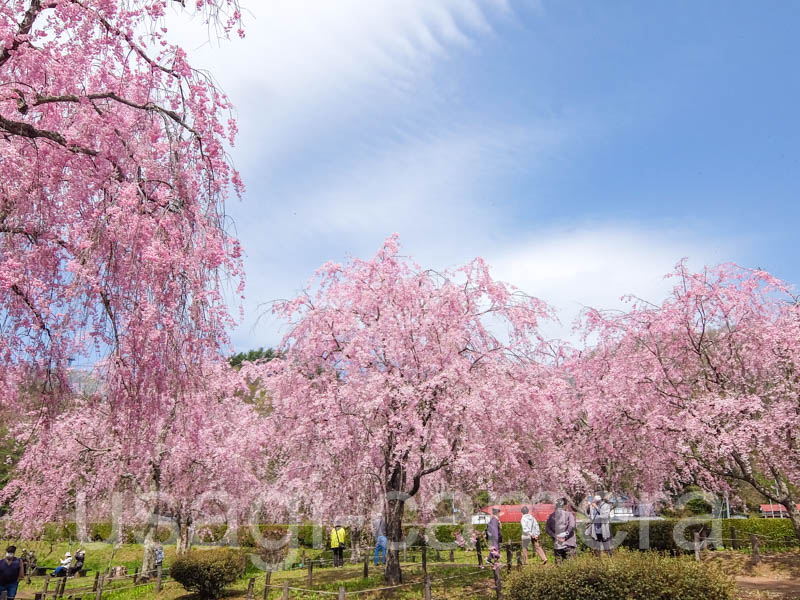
777 533
633 576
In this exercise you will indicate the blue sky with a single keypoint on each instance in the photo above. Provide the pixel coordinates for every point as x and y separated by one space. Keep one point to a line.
582 148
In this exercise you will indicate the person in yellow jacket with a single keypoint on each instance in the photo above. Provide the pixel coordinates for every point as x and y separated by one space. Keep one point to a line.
338 540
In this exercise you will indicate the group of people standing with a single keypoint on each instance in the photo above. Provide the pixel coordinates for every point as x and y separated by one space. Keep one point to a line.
560 526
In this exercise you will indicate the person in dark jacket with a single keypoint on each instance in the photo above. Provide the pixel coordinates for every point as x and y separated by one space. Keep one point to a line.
494 537
11 573
561 527
80 557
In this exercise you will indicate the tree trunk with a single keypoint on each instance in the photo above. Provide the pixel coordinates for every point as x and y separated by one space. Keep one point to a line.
185 535
149 553
794 515
394 536
355 543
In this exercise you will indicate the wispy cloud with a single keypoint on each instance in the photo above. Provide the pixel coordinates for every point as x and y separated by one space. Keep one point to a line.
594 266
307 68
353 126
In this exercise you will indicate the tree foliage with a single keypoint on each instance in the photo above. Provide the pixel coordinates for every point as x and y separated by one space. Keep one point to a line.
703 387
113 241
391 380
251 356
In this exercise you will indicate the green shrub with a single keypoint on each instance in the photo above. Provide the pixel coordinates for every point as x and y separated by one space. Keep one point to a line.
99 532
660 534
778 534
305 535
698 506
207 572
633 576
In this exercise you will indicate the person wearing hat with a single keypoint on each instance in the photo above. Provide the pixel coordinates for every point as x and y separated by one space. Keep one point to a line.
11 572
80 557
63 568
599 528
338 539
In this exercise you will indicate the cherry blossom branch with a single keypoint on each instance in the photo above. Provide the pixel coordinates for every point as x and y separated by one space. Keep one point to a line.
148 106
24 29
29 131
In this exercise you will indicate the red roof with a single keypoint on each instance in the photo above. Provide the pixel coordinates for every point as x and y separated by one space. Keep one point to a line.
774 508
512 513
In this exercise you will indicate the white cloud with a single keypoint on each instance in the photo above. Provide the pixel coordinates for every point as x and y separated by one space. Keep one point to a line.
306 66
349 132
596 266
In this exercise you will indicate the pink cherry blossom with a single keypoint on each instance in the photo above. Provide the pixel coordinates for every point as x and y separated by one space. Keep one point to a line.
113 179
394 382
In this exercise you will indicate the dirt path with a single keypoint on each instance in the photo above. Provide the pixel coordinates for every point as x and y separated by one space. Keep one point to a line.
778 588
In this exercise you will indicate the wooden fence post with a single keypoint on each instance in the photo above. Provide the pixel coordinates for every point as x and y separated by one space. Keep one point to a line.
427 587
158 579
438 556
508 557
310 576
366 566
696 546
267 579
734 539
135 574
285 590
47 584
498 584
250 587
754 543
425 559
342 594
519 560
99 594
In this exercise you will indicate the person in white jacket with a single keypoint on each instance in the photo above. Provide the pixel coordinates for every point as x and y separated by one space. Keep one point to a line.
530 532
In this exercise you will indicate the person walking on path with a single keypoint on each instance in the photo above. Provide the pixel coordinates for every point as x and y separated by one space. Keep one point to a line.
338 539
561 527
599 528
530 532
379 532
494 537
11 573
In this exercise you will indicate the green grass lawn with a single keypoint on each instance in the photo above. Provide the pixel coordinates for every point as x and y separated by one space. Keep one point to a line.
448 580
